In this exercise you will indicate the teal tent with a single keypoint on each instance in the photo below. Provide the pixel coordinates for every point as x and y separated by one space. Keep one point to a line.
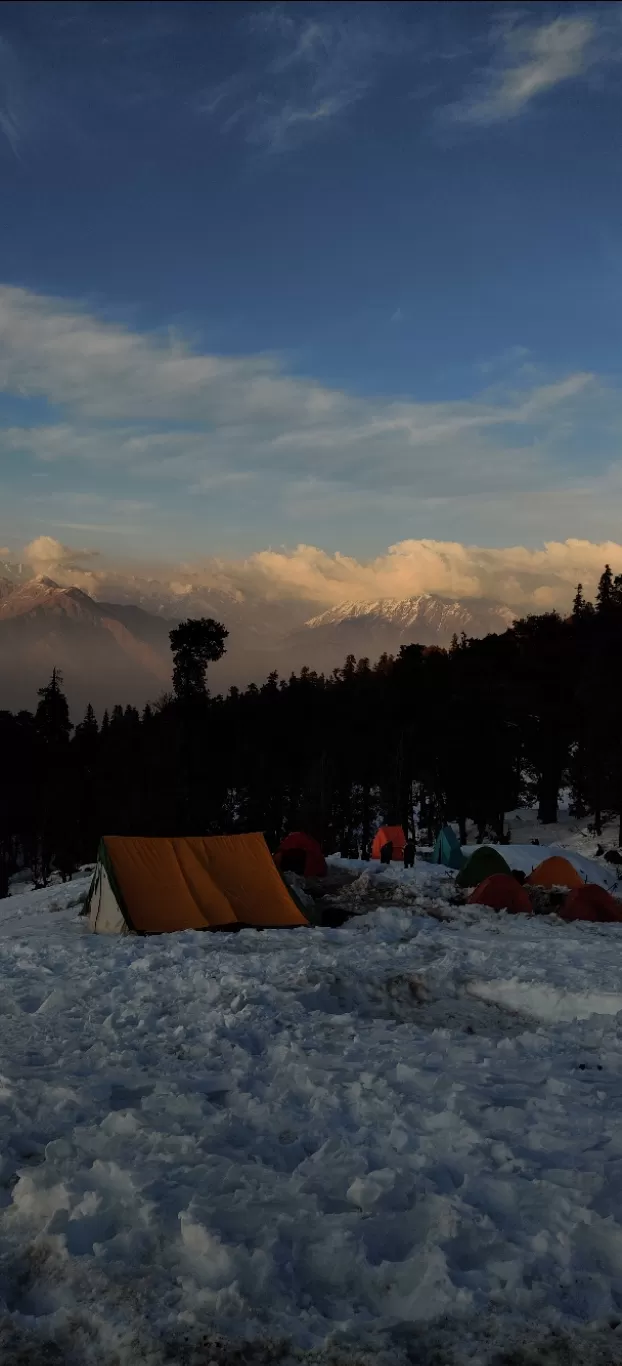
447 849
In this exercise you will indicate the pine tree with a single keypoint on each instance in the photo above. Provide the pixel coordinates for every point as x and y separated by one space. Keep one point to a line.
52 716
56 794
86 738
195 644
89 725
605 595
578 606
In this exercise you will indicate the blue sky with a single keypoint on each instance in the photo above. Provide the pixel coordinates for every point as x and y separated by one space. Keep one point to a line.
345 276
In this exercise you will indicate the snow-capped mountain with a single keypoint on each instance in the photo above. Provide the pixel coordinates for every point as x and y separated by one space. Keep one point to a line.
104 650
425 612
369 629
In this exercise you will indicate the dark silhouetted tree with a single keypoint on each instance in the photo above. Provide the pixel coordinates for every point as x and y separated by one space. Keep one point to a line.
195 644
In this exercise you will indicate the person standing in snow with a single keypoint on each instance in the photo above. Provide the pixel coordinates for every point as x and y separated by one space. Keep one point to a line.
409 853
386 853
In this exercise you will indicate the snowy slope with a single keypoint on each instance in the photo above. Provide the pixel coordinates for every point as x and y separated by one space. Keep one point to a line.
317 1137
443 615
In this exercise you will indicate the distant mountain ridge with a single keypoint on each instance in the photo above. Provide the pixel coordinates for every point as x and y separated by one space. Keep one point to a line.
120 652
99 647
424 610
369 629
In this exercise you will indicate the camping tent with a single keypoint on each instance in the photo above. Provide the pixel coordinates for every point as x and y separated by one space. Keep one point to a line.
447 849
305 850
382 837
501 892
555 872
153 886
482 863
591 903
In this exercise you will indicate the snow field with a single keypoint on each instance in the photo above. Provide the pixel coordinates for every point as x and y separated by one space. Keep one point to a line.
336 1138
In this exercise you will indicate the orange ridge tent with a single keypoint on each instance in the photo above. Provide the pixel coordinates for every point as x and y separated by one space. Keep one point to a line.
154 886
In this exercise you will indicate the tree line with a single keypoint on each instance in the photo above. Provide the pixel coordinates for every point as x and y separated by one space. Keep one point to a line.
465 733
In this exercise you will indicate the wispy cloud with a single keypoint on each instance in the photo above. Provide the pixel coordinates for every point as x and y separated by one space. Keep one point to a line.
311 65
145 408
154 406
11 102
529 60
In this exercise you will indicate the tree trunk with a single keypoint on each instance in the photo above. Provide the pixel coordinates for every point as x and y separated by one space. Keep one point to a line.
365 841
548 796
551 772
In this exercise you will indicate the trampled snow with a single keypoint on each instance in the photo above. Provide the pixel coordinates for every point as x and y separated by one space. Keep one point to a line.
400 1140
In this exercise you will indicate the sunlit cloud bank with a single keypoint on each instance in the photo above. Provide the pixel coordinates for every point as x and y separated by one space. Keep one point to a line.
525 578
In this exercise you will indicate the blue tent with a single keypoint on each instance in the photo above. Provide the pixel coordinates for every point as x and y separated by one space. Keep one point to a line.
447 849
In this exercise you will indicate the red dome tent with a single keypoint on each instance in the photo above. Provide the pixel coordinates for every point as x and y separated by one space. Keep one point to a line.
299 852
501 892
591 903
383 836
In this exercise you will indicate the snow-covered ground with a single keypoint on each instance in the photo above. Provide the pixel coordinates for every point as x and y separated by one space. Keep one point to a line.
399 1141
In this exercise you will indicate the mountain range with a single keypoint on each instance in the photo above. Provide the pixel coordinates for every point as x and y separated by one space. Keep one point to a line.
118 651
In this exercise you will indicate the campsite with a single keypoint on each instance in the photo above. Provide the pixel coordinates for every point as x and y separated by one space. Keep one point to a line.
310 680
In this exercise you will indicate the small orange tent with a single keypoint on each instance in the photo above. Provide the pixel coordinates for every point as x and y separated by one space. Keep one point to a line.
555 872
312 859
501 892
382 837
591 903
154 886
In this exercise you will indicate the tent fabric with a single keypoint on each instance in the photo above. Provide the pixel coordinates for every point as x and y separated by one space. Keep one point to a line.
383 835
501 892
188 883
482 863
591 903
447 849
314 862
105 911
555 872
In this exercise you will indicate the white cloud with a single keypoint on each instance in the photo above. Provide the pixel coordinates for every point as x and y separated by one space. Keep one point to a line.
308 72
46 555
527 579
148 404
514 574
531 60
